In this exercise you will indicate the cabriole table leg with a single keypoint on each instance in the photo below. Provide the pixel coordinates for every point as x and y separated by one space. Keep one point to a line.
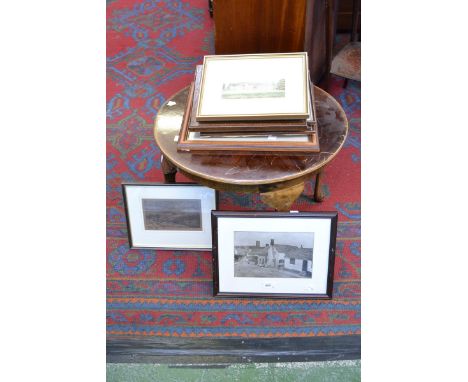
169 170
318 195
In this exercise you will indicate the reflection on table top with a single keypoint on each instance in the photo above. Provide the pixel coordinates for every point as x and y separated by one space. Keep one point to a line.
252 169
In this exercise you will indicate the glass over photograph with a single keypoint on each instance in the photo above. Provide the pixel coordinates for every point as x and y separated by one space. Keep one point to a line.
273 254
172 214
261 86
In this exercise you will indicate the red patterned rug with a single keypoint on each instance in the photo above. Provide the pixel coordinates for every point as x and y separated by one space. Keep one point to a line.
152 49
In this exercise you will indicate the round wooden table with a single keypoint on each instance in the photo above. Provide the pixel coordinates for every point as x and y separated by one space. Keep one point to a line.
278 178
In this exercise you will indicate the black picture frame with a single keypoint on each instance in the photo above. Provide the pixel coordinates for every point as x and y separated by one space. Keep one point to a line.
131 240
332 216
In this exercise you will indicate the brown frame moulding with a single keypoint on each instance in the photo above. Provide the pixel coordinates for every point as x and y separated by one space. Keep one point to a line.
333 216
253 127
239 147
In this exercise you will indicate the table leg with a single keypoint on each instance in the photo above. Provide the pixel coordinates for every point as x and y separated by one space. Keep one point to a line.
318 195
281 200
169 170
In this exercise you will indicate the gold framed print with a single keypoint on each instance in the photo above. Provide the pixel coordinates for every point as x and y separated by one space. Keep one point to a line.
254 87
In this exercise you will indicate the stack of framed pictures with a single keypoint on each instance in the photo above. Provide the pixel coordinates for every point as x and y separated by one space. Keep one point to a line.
252 103
255 254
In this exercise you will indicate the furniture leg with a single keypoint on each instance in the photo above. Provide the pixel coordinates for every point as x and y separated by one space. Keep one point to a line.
356 11
330 33
281 200
318 195
325 82
210 7
169 170
329 40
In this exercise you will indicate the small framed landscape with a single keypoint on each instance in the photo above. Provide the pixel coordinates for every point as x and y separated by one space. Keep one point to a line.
169 216
273 254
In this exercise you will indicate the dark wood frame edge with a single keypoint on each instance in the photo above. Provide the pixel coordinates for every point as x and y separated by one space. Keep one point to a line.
127 219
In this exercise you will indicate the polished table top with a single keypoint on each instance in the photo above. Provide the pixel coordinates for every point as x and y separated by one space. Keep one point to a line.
255 169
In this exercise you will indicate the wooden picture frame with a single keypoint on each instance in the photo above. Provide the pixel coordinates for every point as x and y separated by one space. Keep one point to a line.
277 143
169 216
246 265
259 126
254 87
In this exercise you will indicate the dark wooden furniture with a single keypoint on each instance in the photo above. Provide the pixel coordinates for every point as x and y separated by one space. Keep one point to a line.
347 62
344 16
278 178
270 26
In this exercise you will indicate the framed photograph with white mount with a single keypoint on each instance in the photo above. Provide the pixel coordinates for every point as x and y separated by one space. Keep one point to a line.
264 86
274 254
169 216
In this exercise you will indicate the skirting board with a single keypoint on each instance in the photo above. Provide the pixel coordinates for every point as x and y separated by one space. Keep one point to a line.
229 350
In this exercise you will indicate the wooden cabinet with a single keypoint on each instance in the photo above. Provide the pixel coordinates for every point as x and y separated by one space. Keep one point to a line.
318 38
344 16
270 26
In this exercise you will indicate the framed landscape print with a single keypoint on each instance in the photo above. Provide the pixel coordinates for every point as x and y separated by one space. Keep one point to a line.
274 254
254 86
169 216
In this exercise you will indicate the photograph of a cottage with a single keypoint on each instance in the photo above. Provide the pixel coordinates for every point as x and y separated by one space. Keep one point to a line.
273 254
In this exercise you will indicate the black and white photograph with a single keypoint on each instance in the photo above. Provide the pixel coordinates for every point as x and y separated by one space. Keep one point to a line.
172 214
273 254
169 216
